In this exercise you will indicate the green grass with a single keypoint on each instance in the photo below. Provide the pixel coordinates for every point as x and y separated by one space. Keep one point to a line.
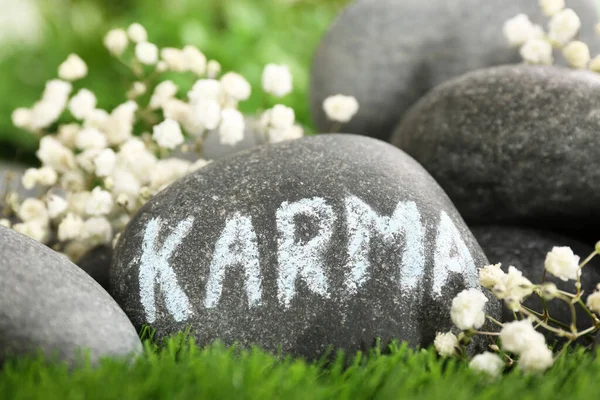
181 370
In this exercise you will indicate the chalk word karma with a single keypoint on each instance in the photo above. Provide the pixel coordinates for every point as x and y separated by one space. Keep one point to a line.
237 246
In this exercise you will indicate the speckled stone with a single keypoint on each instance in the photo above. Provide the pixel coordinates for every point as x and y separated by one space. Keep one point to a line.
526 249
328 240
49 304
389 53
513 144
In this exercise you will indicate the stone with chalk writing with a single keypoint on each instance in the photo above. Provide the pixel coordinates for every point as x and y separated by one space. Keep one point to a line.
334 240
49 304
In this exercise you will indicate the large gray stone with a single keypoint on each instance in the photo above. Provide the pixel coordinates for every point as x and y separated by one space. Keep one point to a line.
327 240
389 53
513 144
49 304
526 249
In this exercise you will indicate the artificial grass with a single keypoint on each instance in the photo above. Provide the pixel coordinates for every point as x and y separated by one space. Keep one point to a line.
181 370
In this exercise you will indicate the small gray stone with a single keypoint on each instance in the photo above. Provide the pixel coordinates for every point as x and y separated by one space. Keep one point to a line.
96 263
526 249
389 53
513 144
326 240
49 304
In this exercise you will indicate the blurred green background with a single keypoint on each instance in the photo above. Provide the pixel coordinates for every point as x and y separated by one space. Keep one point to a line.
243 35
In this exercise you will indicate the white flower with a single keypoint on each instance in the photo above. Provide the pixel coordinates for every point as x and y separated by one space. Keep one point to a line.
85 159
198 164
593 301
177 110
30 178
577 54
22 118
236 86
445 344
194 60
90 138
231 130
280 135
78 202
116 41
47 176
37 230
163 92
467 309
564 26
518 336
134 157
537 51
174 59
137 89
168 134
519 29
551 7
70 227
535 359
126 183
100 203
490 275
73 180
105 163
97 231
277 80
119 125
33 210
213 69
146 52
5 223
595 64
82 104
67 133
56 205
207 113
205 89
98 118
167 171
489 363
137 33
340 108
52 153
73 68
54 100
562 263
513 287
279 117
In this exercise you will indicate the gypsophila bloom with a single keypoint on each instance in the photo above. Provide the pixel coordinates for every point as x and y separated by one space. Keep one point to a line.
467 309
551 7
67 134
549 291
194 60
205 89
34 229
340 108
537 51
116 41
231 130
52 153
236 86
445 344
513 288
104 163
73 68
168 134
168 171
56 205
137 89
137 33
518 336
100 203
47 176
593 301
281 117
564 26
562 263
22 118
119 124
488 363
207 113
90 138
5 223
82 104
535 359
163 92
29 178
174 59
277 80
146 52
595 64
32 209
490 276
213 69
577 54
520 29
70 227
97 231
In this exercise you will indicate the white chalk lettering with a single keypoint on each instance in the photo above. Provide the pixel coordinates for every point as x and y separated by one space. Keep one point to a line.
362 222
304 259
237 245
155 269
448 238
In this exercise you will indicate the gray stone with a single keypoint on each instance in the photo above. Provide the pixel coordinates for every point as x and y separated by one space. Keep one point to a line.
513 144
326 240
389 53
49 304
96 263
526 249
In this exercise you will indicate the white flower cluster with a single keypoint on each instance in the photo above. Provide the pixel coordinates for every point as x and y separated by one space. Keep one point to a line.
537 45
99 166
520 337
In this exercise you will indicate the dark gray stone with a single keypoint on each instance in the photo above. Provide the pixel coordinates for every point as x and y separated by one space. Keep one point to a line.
513 144
526 249
286 230
49 304
389 53
96 263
